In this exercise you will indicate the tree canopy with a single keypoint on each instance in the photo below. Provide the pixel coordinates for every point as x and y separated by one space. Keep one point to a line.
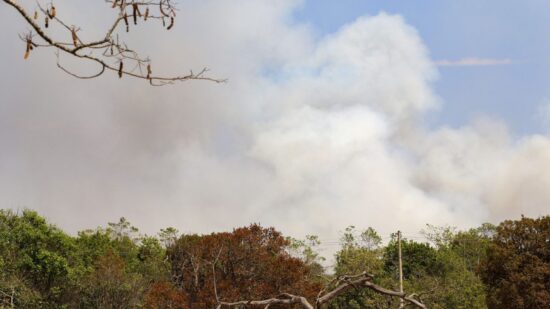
115 266
516 270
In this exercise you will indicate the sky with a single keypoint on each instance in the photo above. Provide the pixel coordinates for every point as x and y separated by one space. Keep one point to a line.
513 35
390 114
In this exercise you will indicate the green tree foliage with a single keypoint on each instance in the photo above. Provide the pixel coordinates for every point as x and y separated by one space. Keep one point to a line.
419 259
472 245
462 253
361 251
437 272
35 261
43 267
116 267
517 268
305 250
111 285
119 266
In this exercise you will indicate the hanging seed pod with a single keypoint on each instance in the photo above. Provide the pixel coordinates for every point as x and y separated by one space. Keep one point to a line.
46 22
136 9
28 50
35 14
134 14
149 71
52 12
171 23
126 22
75 38
163 22
120 66
146 14
114 3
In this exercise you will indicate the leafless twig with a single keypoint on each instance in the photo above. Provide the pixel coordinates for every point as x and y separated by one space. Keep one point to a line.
113 55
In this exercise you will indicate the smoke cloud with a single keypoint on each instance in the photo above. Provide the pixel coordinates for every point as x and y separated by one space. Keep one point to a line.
309 135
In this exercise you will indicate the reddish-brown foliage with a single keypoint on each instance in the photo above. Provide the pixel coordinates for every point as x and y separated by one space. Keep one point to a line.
517 269
249 263
163 295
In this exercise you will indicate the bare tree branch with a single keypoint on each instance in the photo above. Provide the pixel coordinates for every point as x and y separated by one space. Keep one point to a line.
114 55
283 299
345 283
214 275
342 285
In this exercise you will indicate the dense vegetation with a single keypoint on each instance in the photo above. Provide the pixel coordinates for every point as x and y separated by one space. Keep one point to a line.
504 266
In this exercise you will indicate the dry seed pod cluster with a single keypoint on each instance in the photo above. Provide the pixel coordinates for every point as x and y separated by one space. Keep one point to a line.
136 12
108 52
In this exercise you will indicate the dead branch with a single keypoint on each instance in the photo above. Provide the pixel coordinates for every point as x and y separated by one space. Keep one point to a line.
341 284
345 283
283 299
108 53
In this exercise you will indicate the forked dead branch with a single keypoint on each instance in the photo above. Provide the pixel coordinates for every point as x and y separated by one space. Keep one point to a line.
108 52
337 287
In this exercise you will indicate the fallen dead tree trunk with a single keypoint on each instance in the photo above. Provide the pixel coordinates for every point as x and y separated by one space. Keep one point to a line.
343 284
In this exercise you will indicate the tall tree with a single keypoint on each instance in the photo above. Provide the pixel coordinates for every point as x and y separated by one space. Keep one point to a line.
248 263
35 261
436 273
517 269
361 251
119 266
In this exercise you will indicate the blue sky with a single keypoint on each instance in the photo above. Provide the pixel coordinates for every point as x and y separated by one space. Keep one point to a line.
453 30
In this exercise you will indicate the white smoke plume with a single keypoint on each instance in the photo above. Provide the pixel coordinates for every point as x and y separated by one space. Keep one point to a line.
309 135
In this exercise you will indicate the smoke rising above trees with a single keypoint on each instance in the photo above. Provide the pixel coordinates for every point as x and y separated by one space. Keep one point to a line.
309 127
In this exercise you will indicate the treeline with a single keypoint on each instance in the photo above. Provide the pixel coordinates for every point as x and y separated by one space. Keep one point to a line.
504 266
